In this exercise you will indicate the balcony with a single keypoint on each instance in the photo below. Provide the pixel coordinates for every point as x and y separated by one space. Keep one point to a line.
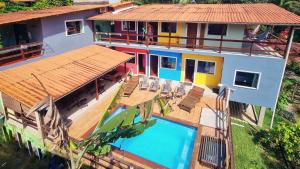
215 45
13 54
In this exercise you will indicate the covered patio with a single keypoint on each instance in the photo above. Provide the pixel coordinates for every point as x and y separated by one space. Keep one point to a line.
80 82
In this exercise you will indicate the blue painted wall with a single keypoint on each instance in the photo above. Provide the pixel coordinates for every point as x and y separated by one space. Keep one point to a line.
168 73
54 34
271 71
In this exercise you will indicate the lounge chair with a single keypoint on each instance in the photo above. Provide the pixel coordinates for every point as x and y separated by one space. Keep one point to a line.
154 86
130 86
166 87
144 84
180 90
193 97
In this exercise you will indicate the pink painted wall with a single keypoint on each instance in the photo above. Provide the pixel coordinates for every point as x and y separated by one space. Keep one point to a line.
130 66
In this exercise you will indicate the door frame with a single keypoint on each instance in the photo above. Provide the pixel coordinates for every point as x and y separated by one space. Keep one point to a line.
195 69
157 65
197 33
137 65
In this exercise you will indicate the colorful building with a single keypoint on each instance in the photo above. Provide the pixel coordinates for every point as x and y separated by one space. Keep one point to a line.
77 56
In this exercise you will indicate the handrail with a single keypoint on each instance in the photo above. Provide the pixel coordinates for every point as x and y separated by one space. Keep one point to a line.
20 52
245 46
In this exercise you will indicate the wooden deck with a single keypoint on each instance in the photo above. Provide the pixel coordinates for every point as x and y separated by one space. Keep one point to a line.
87 122
210 100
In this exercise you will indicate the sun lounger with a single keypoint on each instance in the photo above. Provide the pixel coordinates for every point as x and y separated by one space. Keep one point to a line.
144 84
130 85
154 86
180 90
166 88
193 97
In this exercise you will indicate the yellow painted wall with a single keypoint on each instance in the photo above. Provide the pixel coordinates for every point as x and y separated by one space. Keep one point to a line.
173 40
202 78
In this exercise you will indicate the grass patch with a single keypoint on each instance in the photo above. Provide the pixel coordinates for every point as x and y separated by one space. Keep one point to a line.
247 153
12 157
268 118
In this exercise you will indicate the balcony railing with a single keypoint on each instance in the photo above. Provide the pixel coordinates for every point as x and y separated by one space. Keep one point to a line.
218 45
20 52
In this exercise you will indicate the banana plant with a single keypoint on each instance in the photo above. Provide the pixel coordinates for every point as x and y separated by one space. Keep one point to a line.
122 125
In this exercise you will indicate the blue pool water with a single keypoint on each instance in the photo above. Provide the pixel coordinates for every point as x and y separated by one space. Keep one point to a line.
166 143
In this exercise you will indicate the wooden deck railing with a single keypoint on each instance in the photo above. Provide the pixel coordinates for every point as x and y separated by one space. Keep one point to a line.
218 45
20 52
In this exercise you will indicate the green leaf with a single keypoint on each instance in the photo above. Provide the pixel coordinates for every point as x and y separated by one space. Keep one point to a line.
105 149
131 113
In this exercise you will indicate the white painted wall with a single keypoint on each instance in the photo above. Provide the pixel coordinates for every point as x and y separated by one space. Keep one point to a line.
234 32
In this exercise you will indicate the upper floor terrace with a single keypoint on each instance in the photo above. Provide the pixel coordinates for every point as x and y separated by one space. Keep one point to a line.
217 28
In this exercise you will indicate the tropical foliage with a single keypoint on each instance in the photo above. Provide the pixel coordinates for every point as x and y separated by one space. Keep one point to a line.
9 6
122 125
284 140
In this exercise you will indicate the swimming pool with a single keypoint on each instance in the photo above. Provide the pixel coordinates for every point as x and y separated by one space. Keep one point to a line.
166 143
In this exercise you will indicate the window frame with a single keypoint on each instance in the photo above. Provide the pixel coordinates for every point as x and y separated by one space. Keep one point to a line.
215 68
226 32
133 54
161 30
122 26
160 65
74 20
246 71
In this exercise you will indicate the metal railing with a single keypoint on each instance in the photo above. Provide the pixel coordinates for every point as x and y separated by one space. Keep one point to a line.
20 52
216 44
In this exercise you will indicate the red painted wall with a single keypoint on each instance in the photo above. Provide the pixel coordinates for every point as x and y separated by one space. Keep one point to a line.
129 66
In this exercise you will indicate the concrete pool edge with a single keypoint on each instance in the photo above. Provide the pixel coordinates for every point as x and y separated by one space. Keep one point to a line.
152 164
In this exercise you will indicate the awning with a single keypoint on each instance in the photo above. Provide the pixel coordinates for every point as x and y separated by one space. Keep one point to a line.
59 74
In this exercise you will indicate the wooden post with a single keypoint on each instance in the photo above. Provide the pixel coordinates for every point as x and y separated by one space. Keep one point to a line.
127 22
221 44
251 47
94 32
97 89
22 52
125 67
109 36
194 43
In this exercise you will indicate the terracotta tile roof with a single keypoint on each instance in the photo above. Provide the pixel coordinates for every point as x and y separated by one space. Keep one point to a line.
28 15
206 13
60 74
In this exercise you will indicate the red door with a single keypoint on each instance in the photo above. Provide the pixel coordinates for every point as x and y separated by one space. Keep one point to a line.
191 33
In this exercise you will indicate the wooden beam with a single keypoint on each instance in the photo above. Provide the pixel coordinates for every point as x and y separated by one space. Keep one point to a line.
97 89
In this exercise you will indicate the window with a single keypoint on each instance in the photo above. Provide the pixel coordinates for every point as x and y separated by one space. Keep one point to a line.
206 67
128 25
246 79
74 27
168 62
165 26
217 29
132 60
